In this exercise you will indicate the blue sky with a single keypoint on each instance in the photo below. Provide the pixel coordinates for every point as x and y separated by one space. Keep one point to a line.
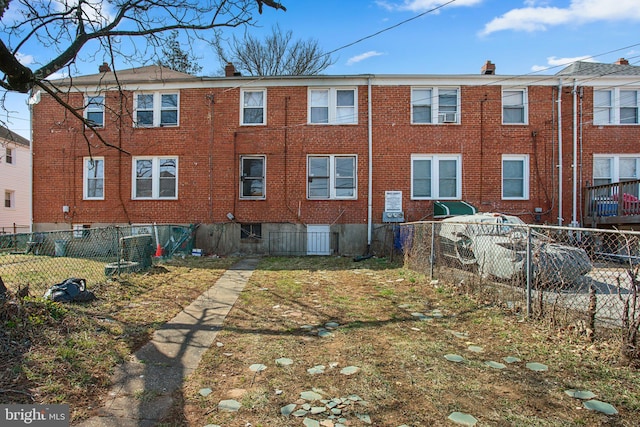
435 37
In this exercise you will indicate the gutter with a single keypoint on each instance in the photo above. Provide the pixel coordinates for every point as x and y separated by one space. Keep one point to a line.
370 160
574 165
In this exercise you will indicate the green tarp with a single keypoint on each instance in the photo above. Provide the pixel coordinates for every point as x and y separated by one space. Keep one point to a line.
453 208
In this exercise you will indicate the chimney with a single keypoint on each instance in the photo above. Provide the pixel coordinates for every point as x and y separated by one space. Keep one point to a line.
104 68
488 68
229 70
622 61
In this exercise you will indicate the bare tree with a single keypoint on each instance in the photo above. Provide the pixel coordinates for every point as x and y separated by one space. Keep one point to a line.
276 55
176 58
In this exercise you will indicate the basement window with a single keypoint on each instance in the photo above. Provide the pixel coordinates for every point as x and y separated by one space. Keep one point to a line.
250 233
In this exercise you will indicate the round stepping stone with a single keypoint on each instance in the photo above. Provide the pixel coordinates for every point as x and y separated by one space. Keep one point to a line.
475 348
229 405
463 419
580 394
310 396
596 405
454 358
308 422
316 370
350 370
511 359
204 392
284 361
495 365
538 367
257 367
331 325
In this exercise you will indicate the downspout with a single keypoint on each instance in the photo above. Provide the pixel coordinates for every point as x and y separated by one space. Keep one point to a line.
31 163
560 175
370 159
574 165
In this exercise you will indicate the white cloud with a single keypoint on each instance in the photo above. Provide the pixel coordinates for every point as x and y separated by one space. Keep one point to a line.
553 61
363 56
25 60
539 18
423 5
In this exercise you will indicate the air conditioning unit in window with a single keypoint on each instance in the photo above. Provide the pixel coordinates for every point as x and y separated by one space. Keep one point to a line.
447 117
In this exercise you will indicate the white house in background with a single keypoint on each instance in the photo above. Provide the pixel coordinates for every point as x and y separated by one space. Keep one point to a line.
15 182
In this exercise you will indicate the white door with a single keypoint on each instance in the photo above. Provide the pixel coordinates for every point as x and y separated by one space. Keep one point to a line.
318 240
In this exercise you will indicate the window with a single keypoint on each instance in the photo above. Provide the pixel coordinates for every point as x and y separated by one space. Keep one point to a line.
156 109
250 232
333 106
81 230
436 176
331 177
515 177
253 107
611 168
155 178
9 157
615 106
94 112
93 178
514 106
9 201
434 105
252 179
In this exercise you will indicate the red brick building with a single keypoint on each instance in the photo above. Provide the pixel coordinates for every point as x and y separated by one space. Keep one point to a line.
255 159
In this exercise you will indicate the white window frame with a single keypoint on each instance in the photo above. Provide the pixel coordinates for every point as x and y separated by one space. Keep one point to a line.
156 109
435 175
11 199
332 177
10 155
155 177
262 178
524 159
87 176
508 104
440 115
244 107
333 117
614 164
610 113
93 106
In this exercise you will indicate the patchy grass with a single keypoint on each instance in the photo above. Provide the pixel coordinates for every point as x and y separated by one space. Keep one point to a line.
392 324
404 377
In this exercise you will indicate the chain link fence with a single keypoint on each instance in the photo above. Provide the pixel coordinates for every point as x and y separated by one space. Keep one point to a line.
39 260
587 279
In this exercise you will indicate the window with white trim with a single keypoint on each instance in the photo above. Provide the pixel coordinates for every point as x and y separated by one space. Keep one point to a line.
93 178
155 178
253 108
514 106
616 106
9 199
515 177
435 105
94 110
608 169
334 106
331 177
252 177
10 156
156 109
436 176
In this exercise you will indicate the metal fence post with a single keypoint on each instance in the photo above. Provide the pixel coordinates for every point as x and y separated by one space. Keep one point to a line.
433 246
528 267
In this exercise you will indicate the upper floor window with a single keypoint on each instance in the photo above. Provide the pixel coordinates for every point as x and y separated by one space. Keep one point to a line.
252 177
615 106
331 177
156 109
514 106
94 111
253 107
9 156
434 105
155 178
615 168
515 177
93 178
436 176
333 106
9 199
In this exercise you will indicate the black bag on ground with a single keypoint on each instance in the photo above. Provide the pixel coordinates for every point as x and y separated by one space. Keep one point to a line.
71 290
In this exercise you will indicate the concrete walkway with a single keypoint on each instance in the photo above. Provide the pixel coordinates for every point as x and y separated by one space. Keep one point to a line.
142 388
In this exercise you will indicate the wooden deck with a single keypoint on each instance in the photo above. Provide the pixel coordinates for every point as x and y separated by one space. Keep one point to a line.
612 204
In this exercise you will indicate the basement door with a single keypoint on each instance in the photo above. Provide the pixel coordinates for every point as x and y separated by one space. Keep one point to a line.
318 240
